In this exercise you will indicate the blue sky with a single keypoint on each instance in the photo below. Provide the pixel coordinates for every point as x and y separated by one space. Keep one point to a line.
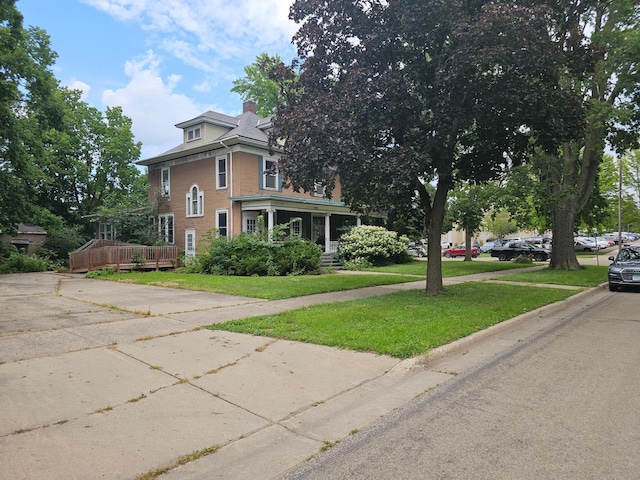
162 61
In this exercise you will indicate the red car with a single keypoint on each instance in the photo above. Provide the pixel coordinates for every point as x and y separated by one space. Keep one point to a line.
460 251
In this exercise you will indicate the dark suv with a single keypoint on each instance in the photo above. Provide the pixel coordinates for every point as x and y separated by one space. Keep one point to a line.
625 269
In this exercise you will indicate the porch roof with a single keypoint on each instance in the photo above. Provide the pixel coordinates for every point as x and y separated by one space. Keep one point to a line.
289 202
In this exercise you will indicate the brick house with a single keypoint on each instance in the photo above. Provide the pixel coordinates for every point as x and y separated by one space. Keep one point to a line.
222 176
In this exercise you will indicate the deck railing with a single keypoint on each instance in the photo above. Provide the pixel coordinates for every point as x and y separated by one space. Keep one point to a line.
124 257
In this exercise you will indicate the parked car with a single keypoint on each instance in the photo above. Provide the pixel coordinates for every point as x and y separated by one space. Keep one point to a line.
460 251
515 249
625 269
487 246
586 245
416 250
444 245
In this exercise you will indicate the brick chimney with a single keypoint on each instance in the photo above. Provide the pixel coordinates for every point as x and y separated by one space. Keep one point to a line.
249 106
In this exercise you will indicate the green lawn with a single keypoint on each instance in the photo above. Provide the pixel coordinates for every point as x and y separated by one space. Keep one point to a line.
451 268
401 324
268 288
587 276
275 288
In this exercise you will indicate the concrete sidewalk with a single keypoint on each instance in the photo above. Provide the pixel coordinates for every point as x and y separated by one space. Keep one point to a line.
111 380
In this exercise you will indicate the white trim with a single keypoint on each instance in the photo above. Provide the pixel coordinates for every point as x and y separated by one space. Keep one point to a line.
246 217
165 188
219 212
190 245
266 175
199 202
195 133
163 228
226 172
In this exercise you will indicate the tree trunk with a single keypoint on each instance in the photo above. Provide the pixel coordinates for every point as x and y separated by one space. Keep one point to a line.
435 219
467 243
563 254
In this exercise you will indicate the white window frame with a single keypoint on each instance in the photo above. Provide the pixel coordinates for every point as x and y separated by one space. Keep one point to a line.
319 190
267 176
250 222
190 243
166 228
296 227
222 177
194 134
165 186
195 202
223 231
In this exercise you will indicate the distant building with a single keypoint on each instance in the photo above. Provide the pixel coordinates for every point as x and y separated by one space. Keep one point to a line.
28 239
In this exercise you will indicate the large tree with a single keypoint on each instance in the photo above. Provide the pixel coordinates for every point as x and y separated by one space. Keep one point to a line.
396 94
601 45
26 111
88 161
257 86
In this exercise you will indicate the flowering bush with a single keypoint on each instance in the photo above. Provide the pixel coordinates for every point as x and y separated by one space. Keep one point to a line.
375 245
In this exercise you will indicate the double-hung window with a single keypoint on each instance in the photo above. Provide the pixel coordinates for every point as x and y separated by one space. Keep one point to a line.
165 184
222 222
269 174
165 227
195 202
221 172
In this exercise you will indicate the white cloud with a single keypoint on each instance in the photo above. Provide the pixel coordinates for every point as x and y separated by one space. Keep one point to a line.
201 31
76 84
152 105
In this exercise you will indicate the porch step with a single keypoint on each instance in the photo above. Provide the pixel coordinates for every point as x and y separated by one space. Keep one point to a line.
329 261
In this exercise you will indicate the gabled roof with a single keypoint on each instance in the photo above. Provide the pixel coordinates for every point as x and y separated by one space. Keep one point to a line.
247 126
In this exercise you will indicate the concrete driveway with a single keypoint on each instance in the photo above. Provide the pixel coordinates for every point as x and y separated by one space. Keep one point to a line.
109 380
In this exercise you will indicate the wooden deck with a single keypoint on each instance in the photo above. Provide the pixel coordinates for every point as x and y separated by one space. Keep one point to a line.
98 254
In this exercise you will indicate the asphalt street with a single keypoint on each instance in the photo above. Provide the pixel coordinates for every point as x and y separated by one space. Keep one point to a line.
562 404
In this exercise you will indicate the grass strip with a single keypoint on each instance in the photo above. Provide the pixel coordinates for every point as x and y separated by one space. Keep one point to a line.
402 324
587 276
451 268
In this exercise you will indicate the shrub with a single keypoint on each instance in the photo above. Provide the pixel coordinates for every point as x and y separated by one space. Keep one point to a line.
23 263
248 254
375 245
522 259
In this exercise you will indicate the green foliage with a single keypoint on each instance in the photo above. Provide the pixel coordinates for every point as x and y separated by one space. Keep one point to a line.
248 254
23 263
500 224
257 86
373 245
104 272
26 112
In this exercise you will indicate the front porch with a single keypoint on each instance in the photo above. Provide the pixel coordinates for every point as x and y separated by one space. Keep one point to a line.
319 220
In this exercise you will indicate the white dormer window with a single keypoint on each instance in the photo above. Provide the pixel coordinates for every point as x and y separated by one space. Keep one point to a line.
195 202
193 134
319 190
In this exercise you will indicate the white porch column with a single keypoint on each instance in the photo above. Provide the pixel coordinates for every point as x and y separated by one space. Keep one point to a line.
358 221
327 232
270 221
